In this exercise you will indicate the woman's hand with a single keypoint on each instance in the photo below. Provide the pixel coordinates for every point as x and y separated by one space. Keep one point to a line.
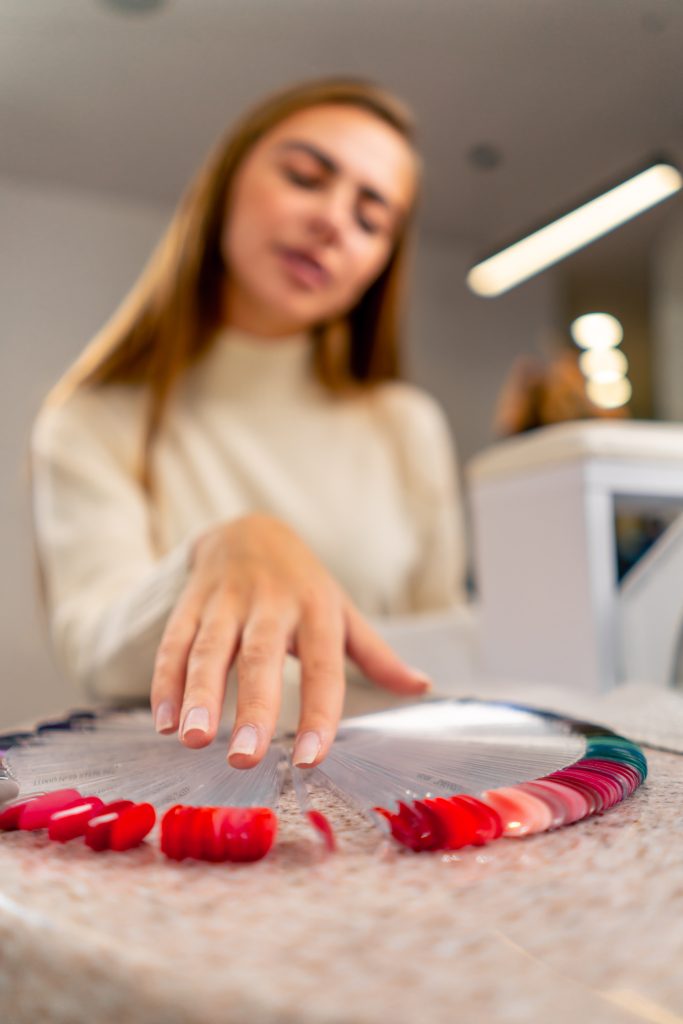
256 593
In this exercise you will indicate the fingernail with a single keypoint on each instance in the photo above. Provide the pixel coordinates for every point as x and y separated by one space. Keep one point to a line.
420 677
163 717
244 741
306 748
196 720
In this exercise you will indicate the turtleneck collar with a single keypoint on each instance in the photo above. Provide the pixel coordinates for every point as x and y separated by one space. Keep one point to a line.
242 365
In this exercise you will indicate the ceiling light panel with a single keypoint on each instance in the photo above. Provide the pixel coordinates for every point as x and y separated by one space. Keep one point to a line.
568 234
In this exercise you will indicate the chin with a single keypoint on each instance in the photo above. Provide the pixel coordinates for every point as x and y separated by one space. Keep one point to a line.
293 310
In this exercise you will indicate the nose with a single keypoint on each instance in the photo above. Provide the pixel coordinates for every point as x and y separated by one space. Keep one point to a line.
330 215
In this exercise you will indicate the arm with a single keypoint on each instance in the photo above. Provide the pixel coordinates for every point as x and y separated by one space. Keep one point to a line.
440 579
108 594
428 460
246 591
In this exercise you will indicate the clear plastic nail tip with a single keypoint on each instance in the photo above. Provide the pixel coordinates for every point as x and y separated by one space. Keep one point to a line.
430 749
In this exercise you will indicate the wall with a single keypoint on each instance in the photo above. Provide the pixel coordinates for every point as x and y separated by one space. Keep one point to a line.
462 346
66 259
667 321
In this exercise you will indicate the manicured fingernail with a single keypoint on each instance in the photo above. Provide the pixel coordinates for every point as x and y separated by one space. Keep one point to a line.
163 718
244 741
421 678
196 720
306 749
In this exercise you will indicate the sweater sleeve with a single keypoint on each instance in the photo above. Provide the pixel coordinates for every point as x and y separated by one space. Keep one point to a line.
429 463
108 595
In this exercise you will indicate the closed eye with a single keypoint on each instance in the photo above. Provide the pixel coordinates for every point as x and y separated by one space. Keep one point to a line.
373 215
303 180
370 227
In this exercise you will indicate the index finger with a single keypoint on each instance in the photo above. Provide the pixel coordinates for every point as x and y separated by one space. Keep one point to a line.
170 663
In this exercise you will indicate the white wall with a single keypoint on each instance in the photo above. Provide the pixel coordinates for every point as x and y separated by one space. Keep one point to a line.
667 321
67 258
462 346
65 261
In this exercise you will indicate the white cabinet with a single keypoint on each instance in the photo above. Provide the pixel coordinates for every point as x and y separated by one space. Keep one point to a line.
551 607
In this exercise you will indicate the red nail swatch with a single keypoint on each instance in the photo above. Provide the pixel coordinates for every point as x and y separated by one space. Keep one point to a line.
131 826
98 829
37 813
324 828
71 822
218 833
10 815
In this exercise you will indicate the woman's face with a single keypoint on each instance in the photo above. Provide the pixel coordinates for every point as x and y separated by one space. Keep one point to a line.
315 210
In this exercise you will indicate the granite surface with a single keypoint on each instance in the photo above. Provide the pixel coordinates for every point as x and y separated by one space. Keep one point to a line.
585 922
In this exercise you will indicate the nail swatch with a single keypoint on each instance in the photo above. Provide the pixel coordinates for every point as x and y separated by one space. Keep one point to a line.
119 826
66 815
439 775
612 769
218 833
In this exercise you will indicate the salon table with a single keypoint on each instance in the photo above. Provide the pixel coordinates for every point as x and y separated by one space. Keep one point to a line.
582 923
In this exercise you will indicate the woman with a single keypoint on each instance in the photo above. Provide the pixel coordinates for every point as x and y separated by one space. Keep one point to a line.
230 473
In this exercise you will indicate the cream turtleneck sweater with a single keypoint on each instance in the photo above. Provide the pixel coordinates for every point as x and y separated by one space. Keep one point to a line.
367 482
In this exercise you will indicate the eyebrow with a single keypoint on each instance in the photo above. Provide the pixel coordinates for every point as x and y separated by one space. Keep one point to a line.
333 168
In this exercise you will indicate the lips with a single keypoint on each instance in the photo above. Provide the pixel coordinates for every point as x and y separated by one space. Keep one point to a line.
303 268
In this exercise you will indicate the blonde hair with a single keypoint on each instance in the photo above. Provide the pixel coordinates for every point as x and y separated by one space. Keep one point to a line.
171 315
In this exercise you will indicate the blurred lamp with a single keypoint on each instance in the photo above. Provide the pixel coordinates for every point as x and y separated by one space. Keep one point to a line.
574 230
135 6
603 364
609 394
596 330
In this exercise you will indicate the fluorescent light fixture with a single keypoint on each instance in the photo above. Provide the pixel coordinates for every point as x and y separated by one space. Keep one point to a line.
135 6
574 230
596 330
609 394
603 365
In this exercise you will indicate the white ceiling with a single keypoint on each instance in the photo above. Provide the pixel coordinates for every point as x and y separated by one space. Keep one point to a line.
574 92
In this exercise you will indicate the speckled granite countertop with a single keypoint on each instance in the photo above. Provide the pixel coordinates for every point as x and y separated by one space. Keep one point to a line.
586 922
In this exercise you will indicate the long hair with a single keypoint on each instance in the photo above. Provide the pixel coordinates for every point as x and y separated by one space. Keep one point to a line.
172 313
